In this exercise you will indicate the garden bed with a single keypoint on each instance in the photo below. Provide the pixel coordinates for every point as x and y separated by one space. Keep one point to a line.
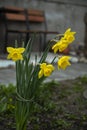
61 106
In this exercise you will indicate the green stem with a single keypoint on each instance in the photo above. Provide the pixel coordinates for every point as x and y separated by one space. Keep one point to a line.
20 113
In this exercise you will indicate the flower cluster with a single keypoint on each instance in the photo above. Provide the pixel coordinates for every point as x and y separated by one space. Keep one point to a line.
63 43
60 45
29 78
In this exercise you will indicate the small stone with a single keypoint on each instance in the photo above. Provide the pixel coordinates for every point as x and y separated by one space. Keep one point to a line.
74 59
83 59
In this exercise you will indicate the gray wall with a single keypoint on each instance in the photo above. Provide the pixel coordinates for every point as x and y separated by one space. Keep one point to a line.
60 15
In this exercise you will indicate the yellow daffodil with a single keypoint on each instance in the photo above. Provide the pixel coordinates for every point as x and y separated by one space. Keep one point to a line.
63 62
69 36
63 43
60 46
15 53
45 70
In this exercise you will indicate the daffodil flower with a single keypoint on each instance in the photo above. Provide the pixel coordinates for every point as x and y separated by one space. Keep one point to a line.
63 43
15 53
60 46
45 70
69 36
63 62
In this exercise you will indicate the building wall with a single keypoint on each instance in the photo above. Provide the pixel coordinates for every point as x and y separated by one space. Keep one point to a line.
60 15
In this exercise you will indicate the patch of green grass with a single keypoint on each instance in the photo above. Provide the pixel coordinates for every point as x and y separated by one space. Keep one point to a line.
63 124
84 79
78 88
7 97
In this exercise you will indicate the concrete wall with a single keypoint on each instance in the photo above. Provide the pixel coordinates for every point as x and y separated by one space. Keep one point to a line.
60 15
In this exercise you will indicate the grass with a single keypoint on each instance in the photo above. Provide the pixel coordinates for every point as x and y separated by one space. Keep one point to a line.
61 106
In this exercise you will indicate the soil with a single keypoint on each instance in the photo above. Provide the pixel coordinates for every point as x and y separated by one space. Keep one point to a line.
66 109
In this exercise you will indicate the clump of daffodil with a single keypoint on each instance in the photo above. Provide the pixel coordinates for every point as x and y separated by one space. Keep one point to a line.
29 77
15 53
63 62
66 39
45 70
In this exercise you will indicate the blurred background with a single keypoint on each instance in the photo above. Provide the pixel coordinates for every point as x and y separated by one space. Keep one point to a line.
59 15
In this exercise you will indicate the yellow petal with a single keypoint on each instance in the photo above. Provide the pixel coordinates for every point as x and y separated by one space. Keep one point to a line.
68 30
20 57
56 47
40 74
9 56
50 67
10 49
43 65
21 50
73 33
